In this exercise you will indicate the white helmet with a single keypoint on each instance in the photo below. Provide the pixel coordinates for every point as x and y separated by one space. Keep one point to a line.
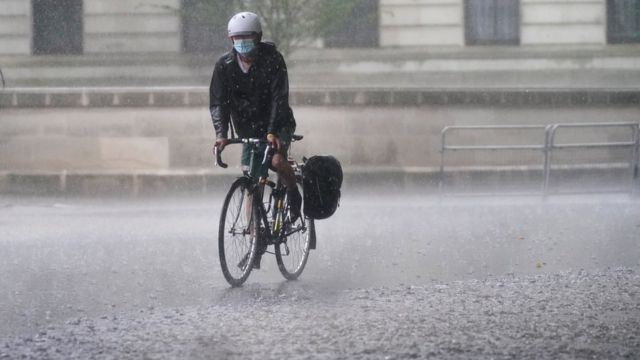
244 23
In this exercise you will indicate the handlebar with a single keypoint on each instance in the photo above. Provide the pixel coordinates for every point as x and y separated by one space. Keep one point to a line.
218 154
218 157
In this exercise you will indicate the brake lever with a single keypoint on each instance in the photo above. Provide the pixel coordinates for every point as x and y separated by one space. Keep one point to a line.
218 156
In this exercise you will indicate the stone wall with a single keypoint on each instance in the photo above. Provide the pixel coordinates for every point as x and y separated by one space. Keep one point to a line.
144 141
397 132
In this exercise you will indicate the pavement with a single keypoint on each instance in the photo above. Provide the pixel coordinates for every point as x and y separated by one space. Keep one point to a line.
576 315
397 274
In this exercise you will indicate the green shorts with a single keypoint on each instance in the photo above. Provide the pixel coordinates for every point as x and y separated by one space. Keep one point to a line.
245 161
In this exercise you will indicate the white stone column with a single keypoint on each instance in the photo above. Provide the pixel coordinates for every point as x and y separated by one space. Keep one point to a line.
132 26
559 22
421 23
15 27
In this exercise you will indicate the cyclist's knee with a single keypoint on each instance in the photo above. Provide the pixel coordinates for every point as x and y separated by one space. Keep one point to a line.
277 161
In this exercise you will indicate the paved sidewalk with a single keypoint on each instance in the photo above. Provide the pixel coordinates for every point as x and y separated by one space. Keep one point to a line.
456 180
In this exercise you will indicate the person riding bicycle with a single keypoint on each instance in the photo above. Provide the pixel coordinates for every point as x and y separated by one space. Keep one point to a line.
250 90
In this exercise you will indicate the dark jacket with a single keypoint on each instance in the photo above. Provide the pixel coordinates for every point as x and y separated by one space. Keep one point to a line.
257 102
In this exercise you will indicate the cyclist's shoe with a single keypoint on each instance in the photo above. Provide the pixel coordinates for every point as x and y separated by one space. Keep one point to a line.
256 262
295 204
258 258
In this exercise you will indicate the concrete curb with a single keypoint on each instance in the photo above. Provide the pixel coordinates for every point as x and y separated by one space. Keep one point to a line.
464 180
17 98
135 183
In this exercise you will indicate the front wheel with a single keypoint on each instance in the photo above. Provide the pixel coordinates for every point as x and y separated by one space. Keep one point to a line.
292 251
237 240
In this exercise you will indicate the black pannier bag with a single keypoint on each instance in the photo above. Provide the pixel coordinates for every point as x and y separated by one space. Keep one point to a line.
321 182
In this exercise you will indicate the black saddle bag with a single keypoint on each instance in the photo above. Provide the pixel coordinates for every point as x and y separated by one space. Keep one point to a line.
321 182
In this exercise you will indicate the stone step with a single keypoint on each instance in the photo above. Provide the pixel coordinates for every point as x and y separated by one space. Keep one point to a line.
462 67
457 181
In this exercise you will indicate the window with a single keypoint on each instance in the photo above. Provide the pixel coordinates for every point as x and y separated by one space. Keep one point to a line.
204 26
57 27
492 22
357 28
623 21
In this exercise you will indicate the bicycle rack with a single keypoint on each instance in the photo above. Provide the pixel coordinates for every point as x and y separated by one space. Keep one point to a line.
549 145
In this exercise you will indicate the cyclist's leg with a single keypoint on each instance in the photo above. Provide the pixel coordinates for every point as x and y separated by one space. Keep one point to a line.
281 164
280 160
253 169
245 164
249 168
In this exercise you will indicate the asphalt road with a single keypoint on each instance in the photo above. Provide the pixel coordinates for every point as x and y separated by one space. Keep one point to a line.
395 275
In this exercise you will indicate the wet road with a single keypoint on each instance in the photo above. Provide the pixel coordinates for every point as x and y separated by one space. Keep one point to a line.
124 264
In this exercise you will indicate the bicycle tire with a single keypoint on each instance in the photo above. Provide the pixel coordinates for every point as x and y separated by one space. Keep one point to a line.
297 245
237 240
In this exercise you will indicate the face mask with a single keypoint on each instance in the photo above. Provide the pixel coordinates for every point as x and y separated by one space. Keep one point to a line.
243 46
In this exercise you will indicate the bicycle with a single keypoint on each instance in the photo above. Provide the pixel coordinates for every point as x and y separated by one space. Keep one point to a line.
251 220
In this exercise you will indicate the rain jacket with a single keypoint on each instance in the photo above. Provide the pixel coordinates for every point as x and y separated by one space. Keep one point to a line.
256 102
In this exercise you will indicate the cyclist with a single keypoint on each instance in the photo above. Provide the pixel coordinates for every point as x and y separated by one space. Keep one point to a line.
250 90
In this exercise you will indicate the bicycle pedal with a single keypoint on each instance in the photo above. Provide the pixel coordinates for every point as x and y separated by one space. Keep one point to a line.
256 262
286 249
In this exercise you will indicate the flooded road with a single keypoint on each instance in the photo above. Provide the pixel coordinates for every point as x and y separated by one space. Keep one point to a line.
120 262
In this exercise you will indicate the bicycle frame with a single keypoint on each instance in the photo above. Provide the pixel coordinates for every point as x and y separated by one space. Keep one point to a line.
274 232
273 225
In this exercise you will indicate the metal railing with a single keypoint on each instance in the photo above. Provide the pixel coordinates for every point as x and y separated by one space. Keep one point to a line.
549 146
631 144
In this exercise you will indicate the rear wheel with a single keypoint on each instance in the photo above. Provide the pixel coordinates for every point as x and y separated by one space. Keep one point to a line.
237 240
293 251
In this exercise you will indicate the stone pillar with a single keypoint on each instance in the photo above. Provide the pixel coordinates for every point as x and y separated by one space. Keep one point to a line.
15 27
421 23
563 22
123 26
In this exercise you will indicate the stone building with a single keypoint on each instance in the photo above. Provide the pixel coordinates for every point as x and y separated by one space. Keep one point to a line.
508 22
97 96
33 27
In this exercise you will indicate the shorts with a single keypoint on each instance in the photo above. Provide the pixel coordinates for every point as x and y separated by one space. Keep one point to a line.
245 161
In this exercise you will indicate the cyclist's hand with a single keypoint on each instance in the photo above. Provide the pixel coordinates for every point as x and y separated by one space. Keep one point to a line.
221 143
274 141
